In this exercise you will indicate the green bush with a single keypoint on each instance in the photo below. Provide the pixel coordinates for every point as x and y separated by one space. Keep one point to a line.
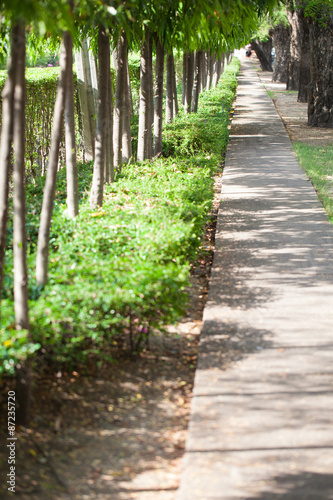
119 272
41 85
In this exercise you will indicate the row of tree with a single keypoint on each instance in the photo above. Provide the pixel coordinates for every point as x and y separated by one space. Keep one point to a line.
302 34
203 32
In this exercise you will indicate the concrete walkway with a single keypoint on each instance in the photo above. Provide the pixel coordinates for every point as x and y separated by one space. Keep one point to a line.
262 414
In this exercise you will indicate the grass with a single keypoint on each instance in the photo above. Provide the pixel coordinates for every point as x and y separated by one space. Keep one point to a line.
317 161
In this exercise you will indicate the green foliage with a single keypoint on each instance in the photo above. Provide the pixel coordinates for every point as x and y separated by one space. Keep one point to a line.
119 272
14 347
41 84
317 162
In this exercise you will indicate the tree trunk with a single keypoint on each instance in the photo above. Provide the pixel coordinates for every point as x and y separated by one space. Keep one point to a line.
217 72
127 138
267 48
305 72
174 89
150 98
295 50
71 166
197 79
185 70
158 115
96 194
189 82
169 90
52 168
23 376
320 90
211 63
264 62
108 160
5 147
144 109
86 95
119 105
281 41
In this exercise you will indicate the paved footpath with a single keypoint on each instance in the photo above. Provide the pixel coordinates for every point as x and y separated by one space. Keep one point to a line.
262 414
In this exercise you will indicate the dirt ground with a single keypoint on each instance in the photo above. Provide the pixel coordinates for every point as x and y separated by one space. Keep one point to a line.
121 435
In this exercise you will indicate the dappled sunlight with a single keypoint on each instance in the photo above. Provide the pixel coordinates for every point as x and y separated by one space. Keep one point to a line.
261 416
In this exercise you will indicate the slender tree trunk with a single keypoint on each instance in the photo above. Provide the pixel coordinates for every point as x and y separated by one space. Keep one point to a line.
108 160
185 71
129 89
281 40
217 72
127 138
150 99
197 79
158 115
118 113
295 50
169 90
211 63
189 82
144 111
264 62
51 173
23 374
5 146
320 91
96 194
305 71
86 95
71 166
174 89
204 71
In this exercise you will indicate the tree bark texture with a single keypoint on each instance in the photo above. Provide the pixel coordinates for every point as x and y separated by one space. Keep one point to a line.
71 166
217 72
305 63
174 89
52 168
189 82
197 80
169 90
320 90
264 62
5 146
158 108
144 105
150 98
119 105
295 50
97 188
185 62
86 95
108 160
23 374
127 137
19 236
211 63
281 40
267 48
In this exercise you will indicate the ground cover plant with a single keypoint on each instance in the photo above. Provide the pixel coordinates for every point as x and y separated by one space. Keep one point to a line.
119 272
317 162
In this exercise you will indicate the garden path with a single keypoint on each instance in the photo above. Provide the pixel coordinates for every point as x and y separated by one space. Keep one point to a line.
261 418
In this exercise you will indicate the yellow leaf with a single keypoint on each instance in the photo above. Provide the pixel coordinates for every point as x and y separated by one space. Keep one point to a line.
32 452
98 214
